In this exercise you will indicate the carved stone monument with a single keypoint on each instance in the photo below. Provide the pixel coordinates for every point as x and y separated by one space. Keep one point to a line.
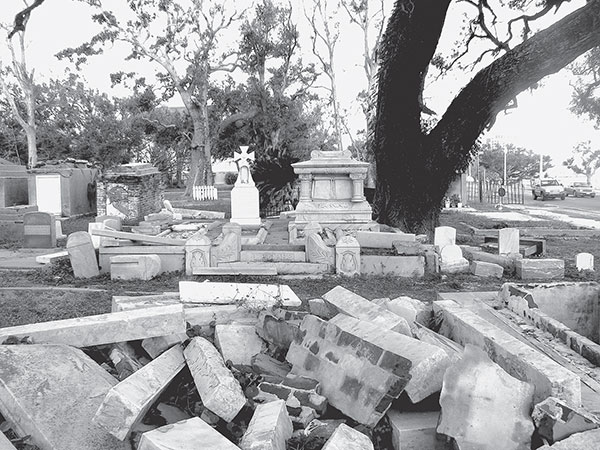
332 191
244 195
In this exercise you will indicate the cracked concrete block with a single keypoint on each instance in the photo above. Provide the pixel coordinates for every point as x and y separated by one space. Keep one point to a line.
483 407
51 392
127 402
187 434
269 428
486 269
346 438
555 420
219 390
416 431
238 343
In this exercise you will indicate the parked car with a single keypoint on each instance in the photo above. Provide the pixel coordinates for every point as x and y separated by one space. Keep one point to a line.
580 189
548 188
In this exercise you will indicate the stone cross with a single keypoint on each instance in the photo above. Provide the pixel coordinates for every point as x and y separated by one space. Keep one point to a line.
243 164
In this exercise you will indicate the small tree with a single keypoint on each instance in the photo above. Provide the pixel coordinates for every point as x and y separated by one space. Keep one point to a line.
585 160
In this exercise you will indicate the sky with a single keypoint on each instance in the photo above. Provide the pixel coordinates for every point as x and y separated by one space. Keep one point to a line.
542 122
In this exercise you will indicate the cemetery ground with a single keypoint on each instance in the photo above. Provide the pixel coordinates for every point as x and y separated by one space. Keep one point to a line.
53 293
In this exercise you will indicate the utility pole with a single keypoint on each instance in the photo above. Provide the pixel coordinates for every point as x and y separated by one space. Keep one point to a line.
541 165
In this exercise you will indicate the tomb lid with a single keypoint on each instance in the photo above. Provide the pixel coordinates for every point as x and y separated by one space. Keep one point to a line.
333 159
134 169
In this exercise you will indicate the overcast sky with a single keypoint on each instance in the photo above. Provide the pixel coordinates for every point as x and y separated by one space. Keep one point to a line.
542 122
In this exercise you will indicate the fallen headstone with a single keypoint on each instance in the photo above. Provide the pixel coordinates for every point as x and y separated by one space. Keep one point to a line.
486 269
82 255
126 403
483 407
555 420
103 328
219 390
238 343
346 438
269 428
186 434
228 250
51 392
318 252
375 239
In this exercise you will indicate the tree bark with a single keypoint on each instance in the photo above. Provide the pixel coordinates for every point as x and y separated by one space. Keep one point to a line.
414 169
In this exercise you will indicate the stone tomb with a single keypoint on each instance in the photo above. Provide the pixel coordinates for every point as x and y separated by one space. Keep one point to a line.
39 230
332 191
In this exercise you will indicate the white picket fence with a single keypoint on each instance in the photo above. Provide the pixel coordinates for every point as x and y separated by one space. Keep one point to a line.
204 193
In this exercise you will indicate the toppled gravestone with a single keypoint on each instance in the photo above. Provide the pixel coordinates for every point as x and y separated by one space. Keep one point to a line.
269 428
483 407
219 390
51 392
363 367
555 420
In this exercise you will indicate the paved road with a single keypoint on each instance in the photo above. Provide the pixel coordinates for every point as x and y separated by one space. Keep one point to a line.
584 205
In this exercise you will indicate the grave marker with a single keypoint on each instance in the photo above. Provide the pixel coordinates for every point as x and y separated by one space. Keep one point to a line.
508 241
197 252
584 261
39 230
82 255
444 236
347 256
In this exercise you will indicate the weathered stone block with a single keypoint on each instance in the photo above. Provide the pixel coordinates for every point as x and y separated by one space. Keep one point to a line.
476 393
518 359
272 256
406 248
126 403
155 346
399 266
134 267
540 269
485 269
579 441
250 295
319 252
186 434
555 420
346 438
415 431
219 390
320 308
374 239
197 252
51 392
278 332
411 309
238 343
5 443
269 428
104 328
354 305
228 250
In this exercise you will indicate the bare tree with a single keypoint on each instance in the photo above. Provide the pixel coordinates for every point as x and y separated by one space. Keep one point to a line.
182 38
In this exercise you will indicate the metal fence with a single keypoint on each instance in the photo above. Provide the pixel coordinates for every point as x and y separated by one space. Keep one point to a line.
488 192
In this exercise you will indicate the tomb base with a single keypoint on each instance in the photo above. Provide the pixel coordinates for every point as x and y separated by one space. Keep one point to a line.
245 205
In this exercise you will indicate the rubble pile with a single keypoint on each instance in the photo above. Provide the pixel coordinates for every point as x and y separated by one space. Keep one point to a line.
252 367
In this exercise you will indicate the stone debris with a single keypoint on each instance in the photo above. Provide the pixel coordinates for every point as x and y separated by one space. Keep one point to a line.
134 267
48 389
587 440
483 407
104 328
346 438
452 260
278 332
486 269
354 305
410 309
126 403
186 434
238 343
416 431
540 269
124 359
320 308
219 390
5 443
155 346
269 428
555 420
270 368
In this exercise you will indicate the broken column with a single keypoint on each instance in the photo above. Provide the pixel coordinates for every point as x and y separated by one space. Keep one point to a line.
269 428
483 407
127 402
219 390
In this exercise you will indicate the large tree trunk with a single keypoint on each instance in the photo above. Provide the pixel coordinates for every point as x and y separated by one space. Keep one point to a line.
414 170
200 160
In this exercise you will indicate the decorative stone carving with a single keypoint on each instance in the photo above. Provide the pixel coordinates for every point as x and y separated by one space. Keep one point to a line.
197 252
227 251
318 252
347 256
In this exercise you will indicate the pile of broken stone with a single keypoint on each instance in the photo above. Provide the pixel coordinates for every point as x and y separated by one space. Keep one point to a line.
335 368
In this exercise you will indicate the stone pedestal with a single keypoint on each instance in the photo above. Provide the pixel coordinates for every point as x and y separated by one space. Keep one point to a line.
332 191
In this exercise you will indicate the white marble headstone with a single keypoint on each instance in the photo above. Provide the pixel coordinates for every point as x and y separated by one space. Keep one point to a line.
444 236
508 241
451 254
584 261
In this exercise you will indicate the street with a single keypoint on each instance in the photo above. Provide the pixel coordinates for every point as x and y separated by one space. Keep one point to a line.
583 205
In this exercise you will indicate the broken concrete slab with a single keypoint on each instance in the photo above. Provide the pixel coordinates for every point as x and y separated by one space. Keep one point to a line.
130 302
320 308
134 267
103 328
238 343
540 269
375 239
5 443
362 367
186 434
278 332
155 346
47 389
399 266
515 357
354 305
416 431
269 428
268 366
411 309
555 420
475 394
579 441
486 269
297 391
219 390
244 294
82 255
126 403
346 438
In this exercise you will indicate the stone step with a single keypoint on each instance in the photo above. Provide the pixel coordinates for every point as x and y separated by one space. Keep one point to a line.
280 268
272 256
274 248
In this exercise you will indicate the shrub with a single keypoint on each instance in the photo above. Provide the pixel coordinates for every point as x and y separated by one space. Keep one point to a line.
230 178
275 180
